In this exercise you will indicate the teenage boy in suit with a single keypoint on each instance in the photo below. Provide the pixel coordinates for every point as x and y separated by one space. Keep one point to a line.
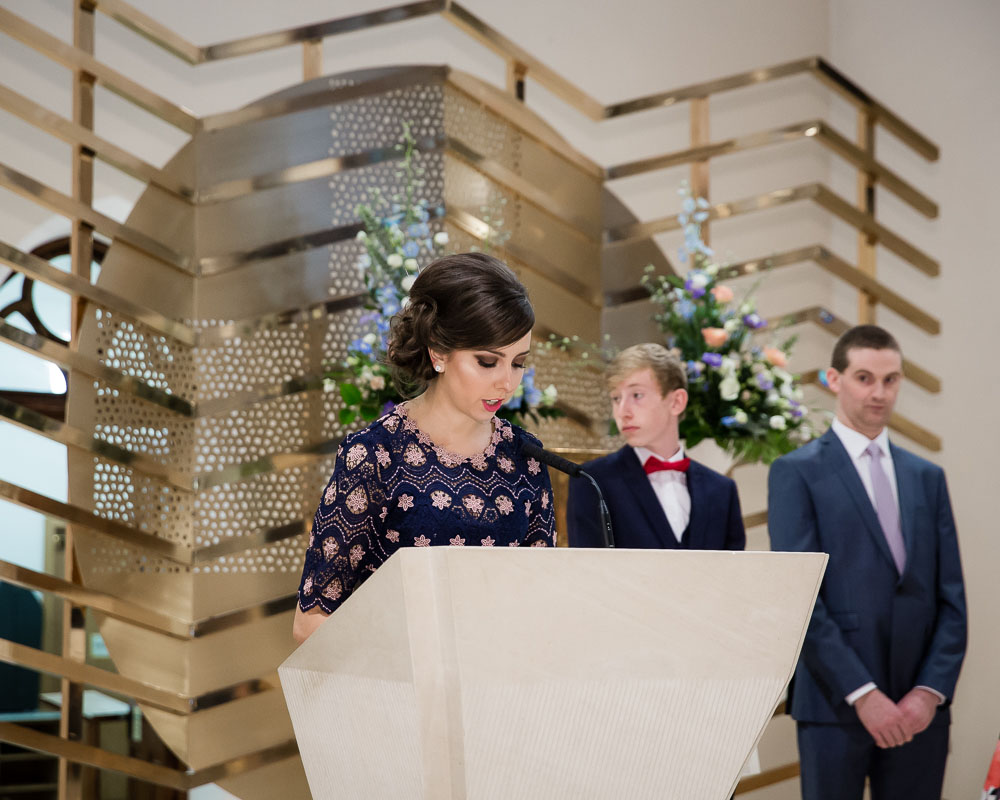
657 497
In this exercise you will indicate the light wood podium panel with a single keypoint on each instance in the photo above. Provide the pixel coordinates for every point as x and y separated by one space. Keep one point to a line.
549 673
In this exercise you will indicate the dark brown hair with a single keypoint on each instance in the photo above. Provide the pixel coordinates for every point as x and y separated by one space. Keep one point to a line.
861 336
467 301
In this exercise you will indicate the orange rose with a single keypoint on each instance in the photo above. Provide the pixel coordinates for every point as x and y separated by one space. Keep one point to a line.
775 356
714 337
722 294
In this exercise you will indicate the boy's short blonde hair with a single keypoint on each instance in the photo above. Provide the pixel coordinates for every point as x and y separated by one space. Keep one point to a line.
667 368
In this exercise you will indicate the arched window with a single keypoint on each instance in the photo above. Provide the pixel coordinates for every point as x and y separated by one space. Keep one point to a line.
36 308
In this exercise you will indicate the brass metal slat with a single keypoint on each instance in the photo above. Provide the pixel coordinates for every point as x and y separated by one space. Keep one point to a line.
76 59
56 201
40 661
72 133
163 548
99 601
320 30
824 197
897 421
66 434
846 272
836 326
85 518
816 129
180 780
40 270
67 358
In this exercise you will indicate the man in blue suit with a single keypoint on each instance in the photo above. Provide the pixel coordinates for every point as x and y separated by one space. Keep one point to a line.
872 689
656 496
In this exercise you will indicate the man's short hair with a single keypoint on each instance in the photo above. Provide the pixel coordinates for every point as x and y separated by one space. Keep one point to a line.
861 336
667 368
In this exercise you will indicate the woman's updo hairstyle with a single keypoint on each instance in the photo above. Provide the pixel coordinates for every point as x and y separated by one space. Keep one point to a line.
467 301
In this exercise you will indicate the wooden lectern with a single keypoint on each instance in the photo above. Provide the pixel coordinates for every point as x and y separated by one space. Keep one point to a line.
517 673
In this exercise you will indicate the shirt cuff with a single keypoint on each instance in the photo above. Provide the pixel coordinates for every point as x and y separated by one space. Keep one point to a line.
941 698
860 692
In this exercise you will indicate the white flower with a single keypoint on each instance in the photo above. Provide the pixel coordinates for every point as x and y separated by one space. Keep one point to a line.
777 422
411 264
361 236
745 309
729 388
772 398
712 269
699 280
377 382
730 324
369 338
395 260
441 238
407 283
549 395
741 416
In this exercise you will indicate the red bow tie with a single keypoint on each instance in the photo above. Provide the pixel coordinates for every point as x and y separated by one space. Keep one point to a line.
653 464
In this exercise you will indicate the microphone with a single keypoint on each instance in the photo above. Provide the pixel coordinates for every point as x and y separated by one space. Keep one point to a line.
574 471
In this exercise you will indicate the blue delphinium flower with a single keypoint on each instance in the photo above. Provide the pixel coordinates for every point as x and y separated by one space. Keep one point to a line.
728 421
411 249
696 282
764 382
754 321
515 402
712 359
694 368
686 308
361 346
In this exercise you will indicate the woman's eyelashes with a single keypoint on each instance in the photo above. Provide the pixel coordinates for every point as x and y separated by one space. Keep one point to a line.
488 364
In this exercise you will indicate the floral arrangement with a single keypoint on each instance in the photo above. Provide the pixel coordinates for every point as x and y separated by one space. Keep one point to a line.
399 239
740 392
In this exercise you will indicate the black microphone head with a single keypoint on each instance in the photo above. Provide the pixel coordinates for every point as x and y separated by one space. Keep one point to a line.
554 461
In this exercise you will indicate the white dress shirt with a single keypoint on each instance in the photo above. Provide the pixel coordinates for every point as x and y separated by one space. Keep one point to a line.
670 488
855 443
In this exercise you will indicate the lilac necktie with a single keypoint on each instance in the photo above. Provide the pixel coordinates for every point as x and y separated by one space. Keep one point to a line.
886 508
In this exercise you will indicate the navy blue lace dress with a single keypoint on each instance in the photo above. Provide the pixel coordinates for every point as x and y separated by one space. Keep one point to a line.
393 487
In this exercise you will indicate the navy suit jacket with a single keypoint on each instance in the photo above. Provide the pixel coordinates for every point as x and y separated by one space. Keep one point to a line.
870 623
637 516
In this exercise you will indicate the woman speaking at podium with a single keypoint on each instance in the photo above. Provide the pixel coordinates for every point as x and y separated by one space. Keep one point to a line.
441 468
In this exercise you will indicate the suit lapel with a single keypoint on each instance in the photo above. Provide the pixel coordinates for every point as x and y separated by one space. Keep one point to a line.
906 486
635 478
696 486
840 462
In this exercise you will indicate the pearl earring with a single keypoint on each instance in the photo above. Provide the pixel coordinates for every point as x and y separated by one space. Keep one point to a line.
438 368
